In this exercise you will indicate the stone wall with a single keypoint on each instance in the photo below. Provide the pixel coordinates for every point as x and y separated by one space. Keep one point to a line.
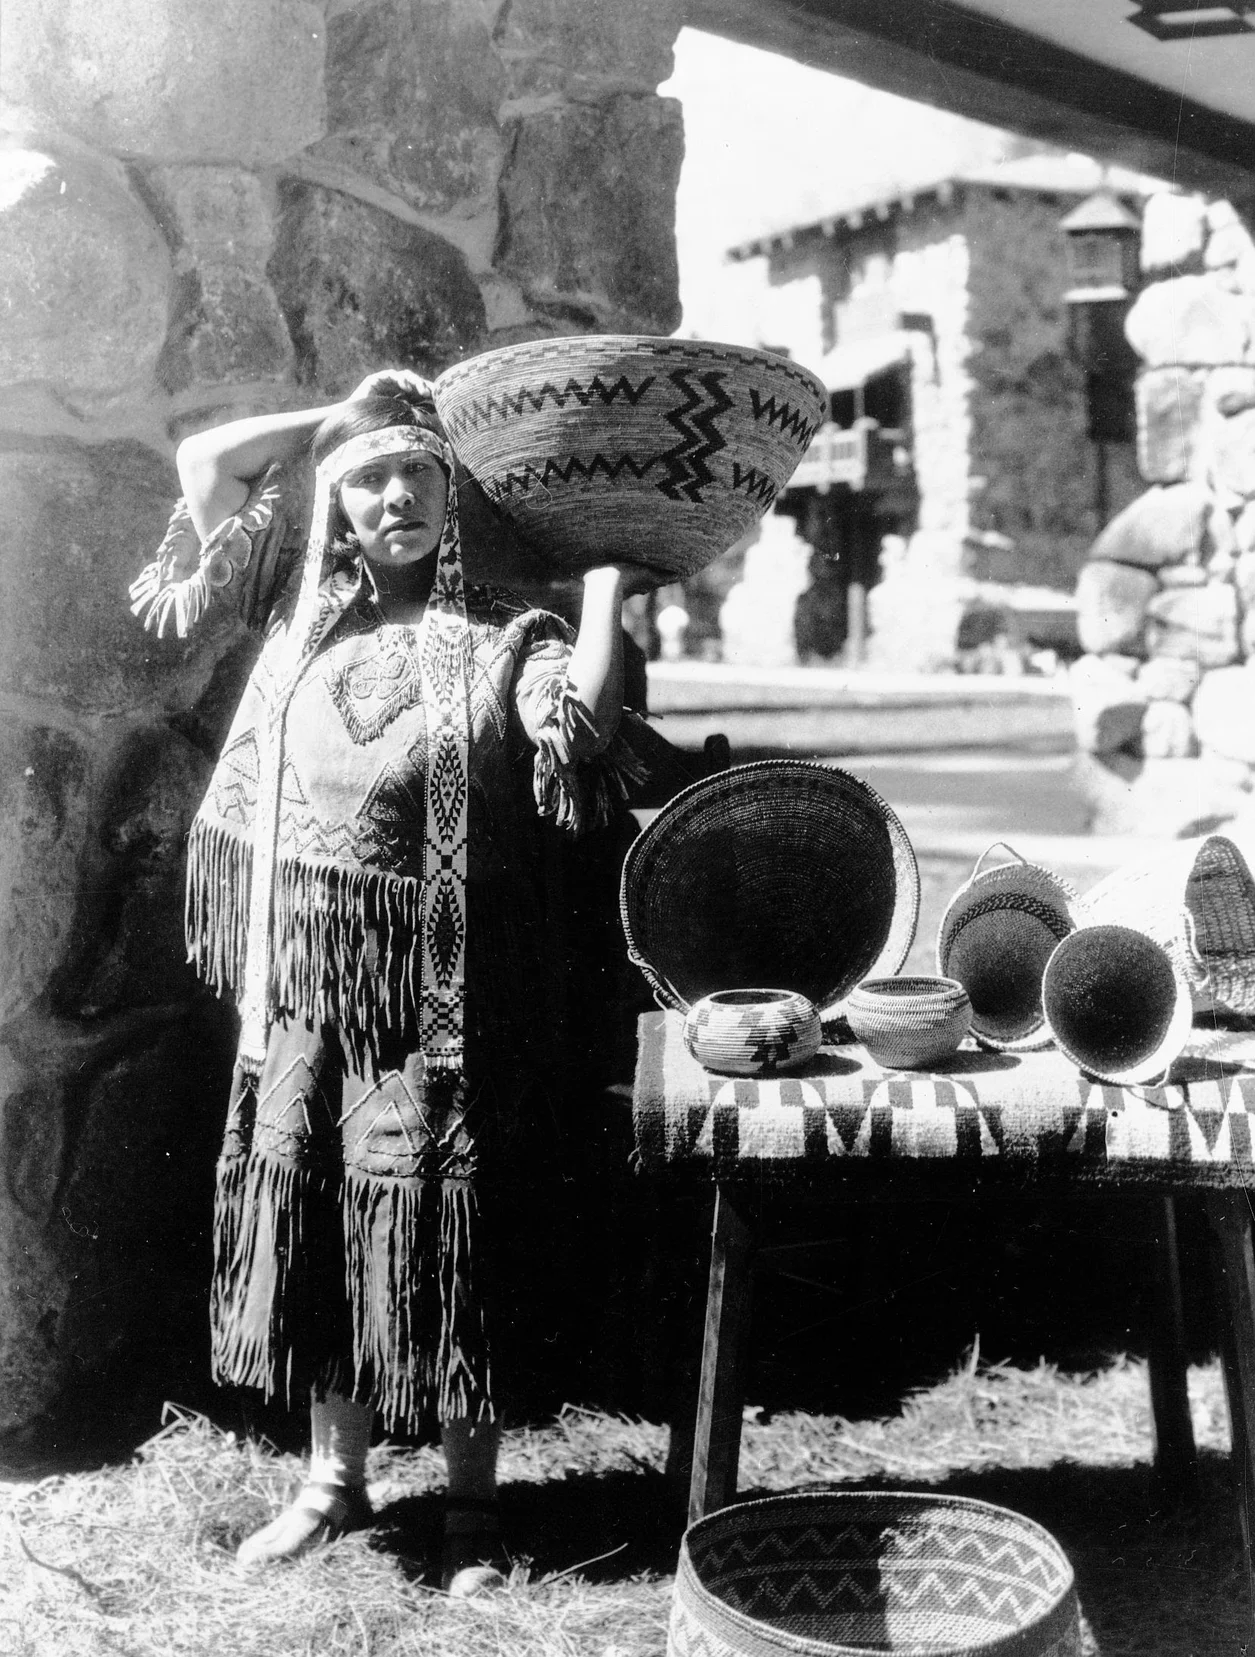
205 212
1165 697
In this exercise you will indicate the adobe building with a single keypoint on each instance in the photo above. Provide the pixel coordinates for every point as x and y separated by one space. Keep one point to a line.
974 445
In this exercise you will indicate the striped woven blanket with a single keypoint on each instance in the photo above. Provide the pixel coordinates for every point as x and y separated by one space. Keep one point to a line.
989 1113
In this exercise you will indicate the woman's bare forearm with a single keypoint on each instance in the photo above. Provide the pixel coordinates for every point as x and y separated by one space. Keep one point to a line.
595 671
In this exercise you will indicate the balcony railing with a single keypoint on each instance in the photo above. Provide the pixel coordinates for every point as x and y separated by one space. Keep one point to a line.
854 457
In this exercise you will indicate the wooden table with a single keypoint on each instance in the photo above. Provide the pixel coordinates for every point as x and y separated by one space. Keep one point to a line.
992 1122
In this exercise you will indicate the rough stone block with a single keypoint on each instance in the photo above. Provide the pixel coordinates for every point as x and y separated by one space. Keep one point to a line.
1171 798
1111 606
588 205
79 521
1198 623
1168 678
226 328
362 290
1168 732
212 213
1174 229
1107 706
1224 713
1228 240
582 49
1163 526
1229 391
1230 453
45 820
413 93
101 1221
173 80
1244 529
1169 403
1189 320
85 277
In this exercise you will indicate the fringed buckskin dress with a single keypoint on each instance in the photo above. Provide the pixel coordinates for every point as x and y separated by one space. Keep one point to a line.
349 1228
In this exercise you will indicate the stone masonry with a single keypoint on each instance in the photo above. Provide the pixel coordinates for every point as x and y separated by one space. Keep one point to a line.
1165 696
207 211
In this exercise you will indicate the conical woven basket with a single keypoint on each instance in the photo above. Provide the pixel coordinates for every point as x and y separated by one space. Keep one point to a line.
609 447
996 935
1117 1004
1196 899
782 872
860 1571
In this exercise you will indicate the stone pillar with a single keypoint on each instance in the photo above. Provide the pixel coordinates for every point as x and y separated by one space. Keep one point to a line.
204 212
1165 699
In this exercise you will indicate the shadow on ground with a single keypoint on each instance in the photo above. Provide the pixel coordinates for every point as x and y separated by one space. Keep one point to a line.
1153 1579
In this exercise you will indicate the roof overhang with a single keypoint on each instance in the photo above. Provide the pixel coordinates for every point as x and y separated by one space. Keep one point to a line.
1162 90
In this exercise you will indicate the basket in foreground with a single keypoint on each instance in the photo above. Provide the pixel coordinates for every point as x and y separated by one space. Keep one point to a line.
623 447
851 1572
781 872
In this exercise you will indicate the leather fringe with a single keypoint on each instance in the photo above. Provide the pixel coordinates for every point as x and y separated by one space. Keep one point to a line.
580 795
264 1277
419 1338
351 950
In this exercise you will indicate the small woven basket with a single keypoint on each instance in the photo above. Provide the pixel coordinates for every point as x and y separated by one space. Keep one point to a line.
782 872
998 932
752 1032
909 1023
613 447
1197 900
861 1572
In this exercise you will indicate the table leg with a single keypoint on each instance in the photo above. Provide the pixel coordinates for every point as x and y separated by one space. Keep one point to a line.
1176 1459
720 1399
1229 1214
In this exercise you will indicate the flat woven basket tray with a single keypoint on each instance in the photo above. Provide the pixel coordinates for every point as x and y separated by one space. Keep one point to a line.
781 874
604 448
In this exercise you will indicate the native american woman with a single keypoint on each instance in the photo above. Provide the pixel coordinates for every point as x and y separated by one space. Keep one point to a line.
363 880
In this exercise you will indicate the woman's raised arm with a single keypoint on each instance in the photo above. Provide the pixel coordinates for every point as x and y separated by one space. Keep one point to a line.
217 467
595 671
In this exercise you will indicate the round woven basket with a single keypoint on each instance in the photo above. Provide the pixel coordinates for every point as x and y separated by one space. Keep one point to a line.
998 932
1117 1004
781 872
909 1023
854 1572
605 448
752 1032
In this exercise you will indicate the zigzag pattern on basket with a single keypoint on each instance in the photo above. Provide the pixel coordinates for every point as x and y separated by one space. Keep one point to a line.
1000 1550
789 419
757 485
822 1593
504 406
700 437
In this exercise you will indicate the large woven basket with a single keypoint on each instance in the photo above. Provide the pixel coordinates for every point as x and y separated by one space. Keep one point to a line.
1196 899
612 447
998 931
853 1572
781 872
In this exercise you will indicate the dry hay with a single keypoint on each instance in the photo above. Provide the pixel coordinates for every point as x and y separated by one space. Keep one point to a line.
137 1560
